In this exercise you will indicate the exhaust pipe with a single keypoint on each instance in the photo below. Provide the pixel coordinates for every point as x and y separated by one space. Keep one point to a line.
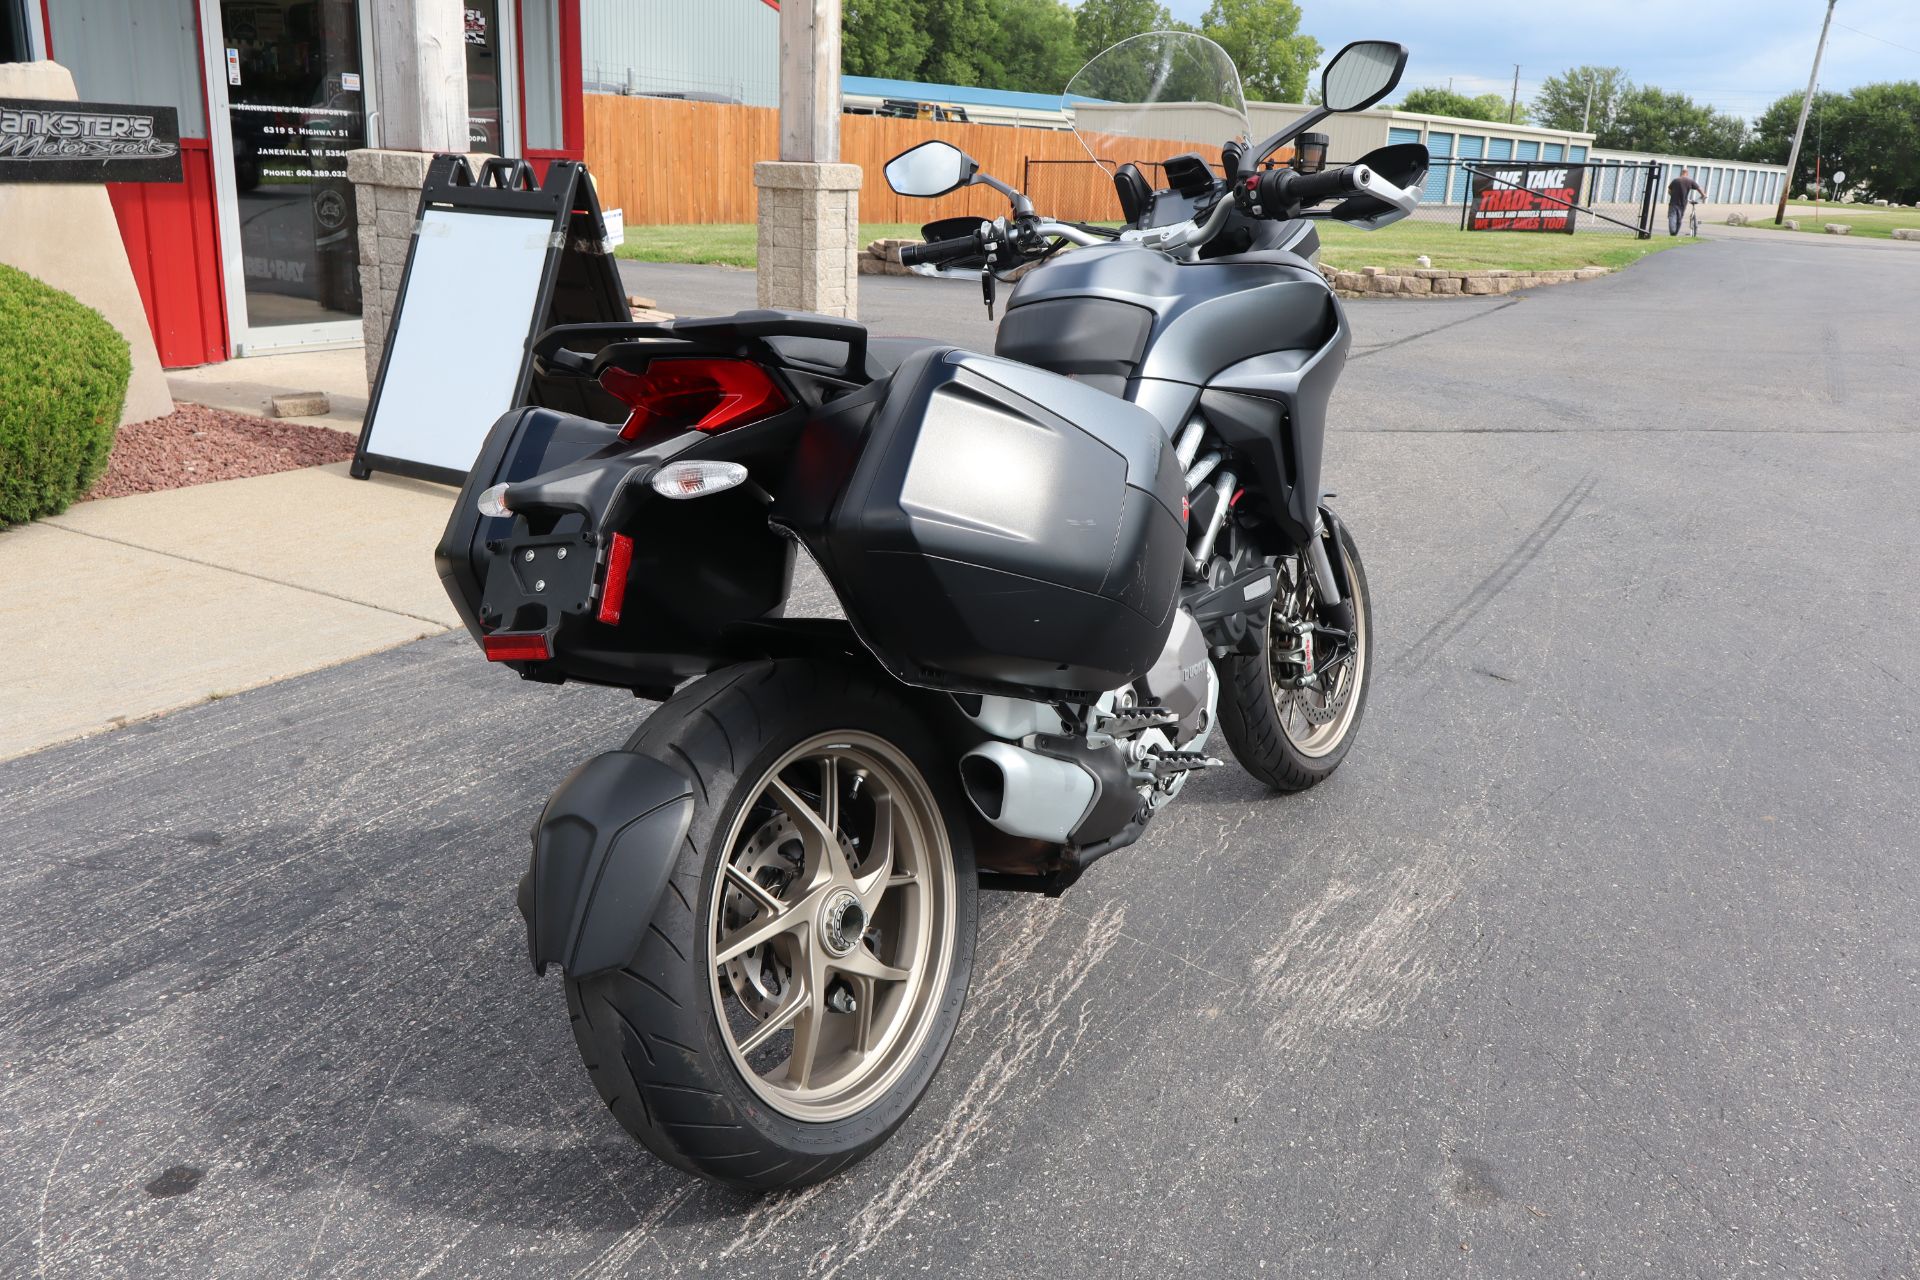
1024 793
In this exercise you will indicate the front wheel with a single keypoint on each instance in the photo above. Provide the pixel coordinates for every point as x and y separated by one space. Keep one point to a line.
1290 711
801 978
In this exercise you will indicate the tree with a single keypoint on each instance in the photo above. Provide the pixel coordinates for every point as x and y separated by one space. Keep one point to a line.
1036 48
1872 133
1648 118
883 38
1435 101
1028 45
1562 100
1884 155
1264 40
1100 24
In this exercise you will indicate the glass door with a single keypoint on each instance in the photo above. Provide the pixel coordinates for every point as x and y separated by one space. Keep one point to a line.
295 107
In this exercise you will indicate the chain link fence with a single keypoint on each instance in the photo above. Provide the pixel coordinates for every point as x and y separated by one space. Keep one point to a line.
1601 197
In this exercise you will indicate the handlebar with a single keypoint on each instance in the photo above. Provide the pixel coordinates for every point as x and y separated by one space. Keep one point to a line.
940 251
1281 193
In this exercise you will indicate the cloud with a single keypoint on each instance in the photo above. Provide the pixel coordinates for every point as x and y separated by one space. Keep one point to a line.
1737 54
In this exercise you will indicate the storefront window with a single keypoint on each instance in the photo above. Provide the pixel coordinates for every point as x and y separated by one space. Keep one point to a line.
485 124
296 108
540 26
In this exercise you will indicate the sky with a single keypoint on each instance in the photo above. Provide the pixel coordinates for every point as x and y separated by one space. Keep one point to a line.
1738 55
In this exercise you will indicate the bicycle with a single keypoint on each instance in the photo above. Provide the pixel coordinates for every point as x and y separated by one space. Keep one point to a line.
1693 214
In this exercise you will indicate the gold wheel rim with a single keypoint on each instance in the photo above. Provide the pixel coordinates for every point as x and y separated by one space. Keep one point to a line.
830 931
1308 738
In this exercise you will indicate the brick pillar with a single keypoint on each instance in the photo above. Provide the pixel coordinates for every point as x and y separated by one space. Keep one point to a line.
809 227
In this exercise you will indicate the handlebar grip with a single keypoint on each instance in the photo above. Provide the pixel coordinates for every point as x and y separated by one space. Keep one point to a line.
940 251
1281 191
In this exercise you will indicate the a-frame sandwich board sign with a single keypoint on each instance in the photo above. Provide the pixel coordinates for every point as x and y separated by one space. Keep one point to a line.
494 260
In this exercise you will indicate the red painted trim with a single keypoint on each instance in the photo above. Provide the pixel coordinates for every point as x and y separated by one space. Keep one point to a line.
573 106
46 27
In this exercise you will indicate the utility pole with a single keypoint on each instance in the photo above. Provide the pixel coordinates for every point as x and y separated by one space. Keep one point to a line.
1513 103
1799 130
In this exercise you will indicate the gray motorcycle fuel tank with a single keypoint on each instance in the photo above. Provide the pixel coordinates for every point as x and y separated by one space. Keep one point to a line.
1137 323
1256 341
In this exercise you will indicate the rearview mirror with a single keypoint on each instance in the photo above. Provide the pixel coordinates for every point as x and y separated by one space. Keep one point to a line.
1361 74
930 169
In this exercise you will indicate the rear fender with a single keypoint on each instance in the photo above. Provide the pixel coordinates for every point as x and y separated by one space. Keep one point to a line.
602 851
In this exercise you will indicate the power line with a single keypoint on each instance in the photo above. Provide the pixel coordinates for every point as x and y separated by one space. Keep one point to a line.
1882 39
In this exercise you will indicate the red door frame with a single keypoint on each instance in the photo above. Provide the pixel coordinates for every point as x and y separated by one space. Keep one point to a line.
573 107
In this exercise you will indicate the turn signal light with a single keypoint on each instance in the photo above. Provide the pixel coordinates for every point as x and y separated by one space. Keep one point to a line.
493 501
511 648
701 392
697 479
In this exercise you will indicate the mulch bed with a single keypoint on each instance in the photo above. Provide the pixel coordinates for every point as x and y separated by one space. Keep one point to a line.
195 444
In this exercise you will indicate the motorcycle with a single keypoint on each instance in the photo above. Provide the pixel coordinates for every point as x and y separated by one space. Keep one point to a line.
1061 567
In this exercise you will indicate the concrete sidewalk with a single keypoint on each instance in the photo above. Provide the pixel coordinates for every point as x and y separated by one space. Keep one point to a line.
245 385
130 607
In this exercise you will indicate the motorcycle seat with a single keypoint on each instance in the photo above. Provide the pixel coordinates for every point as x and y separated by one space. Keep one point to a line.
884 355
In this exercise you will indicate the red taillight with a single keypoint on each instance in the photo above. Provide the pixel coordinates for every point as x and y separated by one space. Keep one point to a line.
704 393
510 648
614 593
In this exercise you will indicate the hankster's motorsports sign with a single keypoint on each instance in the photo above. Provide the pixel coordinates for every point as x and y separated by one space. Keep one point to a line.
1525 196
44 141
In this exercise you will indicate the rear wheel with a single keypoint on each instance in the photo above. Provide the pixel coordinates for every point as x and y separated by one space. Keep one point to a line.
1290 711
801 978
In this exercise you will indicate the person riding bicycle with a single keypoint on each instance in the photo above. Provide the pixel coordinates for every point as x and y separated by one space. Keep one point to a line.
1681 192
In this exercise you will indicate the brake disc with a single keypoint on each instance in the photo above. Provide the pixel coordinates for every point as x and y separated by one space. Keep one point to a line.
772 858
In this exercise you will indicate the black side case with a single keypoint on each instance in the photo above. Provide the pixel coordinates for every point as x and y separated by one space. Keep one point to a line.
991 527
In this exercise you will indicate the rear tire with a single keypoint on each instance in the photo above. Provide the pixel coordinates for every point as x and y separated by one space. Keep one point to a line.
1269 728
661 1037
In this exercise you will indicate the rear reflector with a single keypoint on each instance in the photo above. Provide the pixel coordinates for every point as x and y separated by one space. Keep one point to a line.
510 648
701 392
614 594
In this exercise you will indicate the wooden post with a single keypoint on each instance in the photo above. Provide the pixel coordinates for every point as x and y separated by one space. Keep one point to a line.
809 217
810 81
420 75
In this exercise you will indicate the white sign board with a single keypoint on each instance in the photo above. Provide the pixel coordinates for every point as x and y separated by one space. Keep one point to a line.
454 359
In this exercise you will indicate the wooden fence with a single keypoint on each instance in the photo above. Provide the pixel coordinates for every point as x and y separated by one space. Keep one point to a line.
666 161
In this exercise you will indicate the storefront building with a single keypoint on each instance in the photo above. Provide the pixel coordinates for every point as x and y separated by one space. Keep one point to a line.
258 248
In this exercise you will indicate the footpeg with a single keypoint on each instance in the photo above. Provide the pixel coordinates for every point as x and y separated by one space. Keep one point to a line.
1124 724
1165 764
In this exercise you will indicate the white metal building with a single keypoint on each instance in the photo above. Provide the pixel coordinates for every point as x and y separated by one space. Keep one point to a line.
706 50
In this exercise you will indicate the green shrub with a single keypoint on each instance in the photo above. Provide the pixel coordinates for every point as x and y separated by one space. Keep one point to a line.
63 380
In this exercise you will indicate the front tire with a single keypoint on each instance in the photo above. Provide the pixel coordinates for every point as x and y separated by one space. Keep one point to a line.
1294 738
802 976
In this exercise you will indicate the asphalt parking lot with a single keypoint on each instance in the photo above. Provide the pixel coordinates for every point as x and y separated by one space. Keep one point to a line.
1598 957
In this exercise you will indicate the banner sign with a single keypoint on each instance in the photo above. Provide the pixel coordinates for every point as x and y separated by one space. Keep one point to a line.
1525 197
46 141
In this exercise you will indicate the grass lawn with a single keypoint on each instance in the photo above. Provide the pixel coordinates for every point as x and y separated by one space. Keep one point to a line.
1349 248
1866 220
728 243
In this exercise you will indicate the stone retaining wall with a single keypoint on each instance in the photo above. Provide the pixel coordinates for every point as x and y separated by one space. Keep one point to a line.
1443 282
882 257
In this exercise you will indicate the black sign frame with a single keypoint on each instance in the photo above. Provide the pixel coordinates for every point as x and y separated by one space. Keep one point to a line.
1504 195
51 140
579 281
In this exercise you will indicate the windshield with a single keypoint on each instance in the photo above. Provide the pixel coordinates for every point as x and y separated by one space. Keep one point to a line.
1155 96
